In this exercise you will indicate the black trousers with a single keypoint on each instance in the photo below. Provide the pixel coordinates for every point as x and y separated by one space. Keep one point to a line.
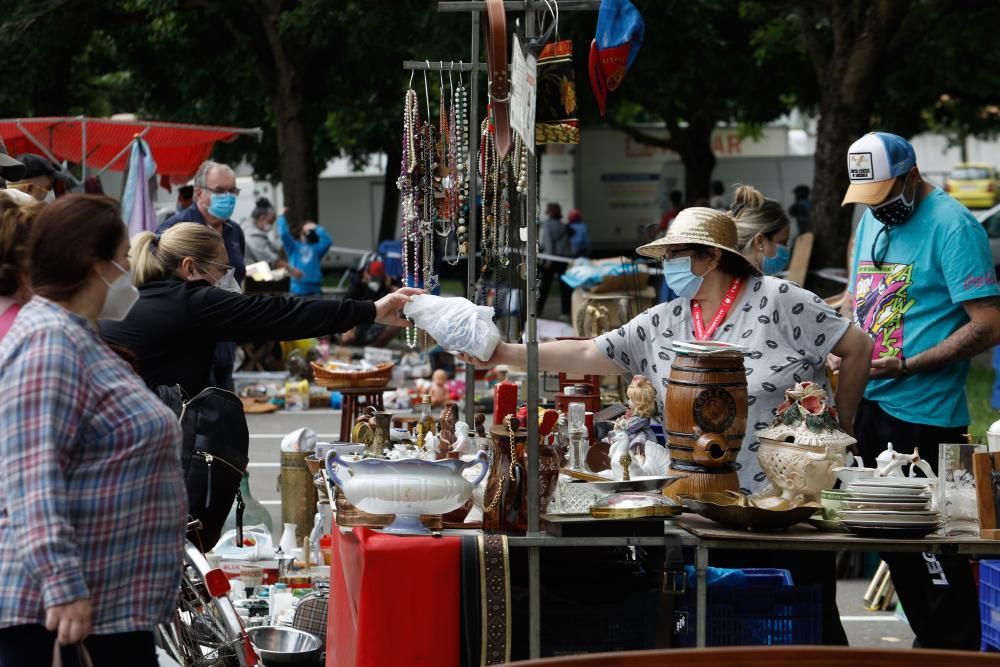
938 592
31 646
554 271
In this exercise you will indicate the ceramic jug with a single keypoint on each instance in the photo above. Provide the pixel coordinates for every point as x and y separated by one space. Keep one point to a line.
505 500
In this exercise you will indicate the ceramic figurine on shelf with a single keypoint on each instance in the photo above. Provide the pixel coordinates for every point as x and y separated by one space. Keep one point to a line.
642 407
463 445
651 461
479 421
446 425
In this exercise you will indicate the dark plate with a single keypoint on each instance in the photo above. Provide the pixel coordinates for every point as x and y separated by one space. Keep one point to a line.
880 532
745 518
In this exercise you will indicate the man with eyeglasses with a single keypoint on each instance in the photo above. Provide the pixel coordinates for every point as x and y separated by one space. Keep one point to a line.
215 195
925 291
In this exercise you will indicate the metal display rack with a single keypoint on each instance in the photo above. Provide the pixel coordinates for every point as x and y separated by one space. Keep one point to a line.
534 539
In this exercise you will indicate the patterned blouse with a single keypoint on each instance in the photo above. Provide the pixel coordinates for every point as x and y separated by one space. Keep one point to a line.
92 502
789 332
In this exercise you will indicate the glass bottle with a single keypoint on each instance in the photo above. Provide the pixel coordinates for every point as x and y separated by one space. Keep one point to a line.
576 429
426 423
254 514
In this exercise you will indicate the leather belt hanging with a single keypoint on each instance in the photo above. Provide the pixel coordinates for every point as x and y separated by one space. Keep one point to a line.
496 61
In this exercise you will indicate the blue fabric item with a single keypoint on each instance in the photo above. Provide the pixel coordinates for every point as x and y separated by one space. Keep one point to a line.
901 155
619 22
306 258
936 260
138 211
779 262
232 237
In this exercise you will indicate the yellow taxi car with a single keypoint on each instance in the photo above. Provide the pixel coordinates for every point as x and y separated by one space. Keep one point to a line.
975 184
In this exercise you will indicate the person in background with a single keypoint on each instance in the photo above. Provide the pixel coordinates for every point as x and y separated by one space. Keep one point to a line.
581 234
185 197
260 246
801 209
15 289
38 179
92 527
10 169
305 255
718 198
925 291
214 200
676 206
555 241
763 229
370 285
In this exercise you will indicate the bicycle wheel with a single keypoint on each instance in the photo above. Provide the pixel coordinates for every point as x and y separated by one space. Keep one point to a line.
205 630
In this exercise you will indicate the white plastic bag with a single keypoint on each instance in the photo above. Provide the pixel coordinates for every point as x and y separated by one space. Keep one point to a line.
455 323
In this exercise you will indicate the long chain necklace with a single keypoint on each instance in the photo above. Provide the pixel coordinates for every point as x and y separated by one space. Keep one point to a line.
407 188
461 129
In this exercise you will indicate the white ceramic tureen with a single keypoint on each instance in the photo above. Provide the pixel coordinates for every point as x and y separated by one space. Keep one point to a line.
405 487
802 446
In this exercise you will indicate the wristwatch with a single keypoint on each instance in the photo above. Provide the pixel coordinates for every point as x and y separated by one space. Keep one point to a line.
902 363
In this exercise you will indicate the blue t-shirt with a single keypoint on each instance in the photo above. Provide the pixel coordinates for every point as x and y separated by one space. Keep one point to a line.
935 261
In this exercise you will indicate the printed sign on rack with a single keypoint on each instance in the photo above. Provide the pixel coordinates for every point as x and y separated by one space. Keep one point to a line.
524 84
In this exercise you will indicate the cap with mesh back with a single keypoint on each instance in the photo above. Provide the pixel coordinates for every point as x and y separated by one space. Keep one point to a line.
874 162
699 225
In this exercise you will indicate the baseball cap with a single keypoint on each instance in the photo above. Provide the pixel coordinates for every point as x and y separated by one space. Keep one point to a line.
35 165
873 163
10 169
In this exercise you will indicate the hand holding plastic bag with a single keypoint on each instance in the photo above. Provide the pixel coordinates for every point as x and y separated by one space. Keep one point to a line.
455 323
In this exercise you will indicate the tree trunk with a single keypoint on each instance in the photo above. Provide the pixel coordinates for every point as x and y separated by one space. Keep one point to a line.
694 145
296 160
390 193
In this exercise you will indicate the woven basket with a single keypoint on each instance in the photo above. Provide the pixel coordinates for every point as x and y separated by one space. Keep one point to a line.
374 378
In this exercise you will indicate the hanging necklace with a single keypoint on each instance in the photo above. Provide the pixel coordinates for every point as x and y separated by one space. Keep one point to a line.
700 332
407 189
461 129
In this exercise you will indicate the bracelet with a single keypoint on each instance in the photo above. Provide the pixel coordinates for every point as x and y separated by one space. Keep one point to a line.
902 361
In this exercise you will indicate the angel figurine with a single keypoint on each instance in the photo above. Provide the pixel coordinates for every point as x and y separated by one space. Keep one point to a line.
463 443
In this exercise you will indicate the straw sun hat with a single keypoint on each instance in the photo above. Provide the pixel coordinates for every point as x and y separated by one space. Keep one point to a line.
699 225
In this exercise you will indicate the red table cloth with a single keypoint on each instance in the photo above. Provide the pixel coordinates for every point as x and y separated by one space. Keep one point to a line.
394 600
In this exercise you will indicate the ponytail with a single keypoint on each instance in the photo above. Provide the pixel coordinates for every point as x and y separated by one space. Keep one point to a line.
158 257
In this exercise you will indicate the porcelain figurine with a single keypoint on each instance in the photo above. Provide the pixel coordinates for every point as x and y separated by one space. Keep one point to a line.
463 445
802 446
446 427
651 461
439 388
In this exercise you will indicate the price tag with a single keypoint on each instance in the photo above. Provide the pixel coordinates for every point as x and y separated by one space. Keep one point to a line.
524 84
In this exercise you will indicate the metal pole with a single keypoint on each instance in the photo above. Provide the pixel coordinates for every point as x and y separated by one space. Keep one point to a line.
534 556
83 151
701 596
470 218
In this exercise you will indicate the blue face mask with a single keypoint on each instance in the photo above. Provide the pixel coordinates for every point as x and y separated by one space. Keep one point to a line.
222 205
680 278
779 262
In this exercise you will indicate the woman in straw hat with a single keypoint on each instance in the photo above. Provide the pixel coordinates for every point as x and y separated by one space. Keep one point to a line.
723 298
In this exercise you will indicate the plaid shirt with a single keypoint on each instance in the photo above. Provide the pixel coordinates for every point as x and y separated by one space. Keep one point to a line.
92 498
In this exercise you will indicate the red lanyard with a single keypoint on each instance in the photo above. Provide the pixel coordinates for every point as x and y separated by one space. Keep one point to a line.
699 326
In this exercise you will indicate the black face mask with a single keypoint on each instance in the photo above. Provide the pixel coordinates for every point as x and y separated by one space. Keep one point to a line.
312 237
890 213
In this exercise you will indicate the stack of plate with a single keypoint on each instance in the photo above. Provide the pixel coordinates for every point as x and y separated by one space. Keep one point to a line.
890 507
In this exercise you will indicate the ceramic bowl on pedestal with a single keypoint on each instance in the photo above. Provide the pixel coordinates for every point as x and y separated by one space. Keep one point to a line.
406 488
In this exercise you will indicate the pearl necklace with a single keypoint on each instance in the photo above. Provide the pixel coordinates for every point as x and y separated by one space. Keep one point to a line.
407 189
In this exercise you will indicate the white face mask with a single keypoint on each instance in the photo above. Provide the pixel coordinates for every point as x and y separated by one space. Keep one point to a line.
228 282
120 298
374 285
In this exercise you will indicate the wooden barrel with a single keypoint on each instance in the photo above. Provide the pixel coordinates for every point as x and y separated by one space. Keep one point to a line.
706 408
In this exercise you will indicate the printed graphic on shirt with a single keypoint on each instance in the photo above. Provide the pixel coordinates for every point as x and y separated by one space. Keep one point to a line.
881 300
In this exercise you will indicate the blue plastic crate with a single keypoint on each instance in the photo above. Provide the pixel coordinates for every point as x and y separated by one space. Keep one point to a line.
989 603
391 253
757 607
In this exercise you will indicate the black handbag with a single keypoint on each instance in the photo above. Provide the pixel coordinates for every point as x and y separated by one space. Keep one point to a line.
214 453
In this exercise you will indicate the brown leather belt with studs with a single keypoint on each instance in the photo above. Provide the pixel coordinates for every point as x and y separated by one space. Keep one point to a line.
496 61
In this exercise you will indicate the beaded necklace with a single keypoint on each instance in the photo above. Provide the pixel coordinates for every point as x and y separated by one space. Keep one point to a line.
408 192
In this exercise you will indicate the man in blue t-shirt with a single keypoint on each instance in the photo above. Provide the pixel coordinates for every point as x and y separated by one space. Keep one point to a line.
924 289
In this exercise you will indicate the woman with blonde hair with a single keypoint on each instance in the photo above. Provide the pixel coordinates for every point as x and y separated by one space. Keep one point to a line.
15 224
189 300
763 229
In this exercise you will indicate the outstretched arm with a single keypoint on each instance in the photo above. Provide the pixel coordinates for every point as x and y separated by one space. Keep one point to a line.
571 356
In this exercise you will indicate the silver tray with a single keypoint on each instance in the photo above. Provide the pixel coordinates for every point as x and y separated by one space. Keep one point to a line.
635 484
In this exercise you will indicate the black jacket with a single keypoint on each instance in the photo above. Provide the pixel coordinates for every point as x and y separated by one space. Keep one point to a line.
173 328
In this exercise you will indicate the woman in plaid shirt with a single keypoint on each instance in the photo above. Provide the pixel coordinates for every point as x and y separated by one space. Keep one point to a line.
91 491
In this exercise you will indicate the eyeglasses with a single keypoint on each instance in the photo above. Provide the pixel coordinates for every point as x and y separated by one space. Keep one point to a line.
674 253
222 191
221 266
